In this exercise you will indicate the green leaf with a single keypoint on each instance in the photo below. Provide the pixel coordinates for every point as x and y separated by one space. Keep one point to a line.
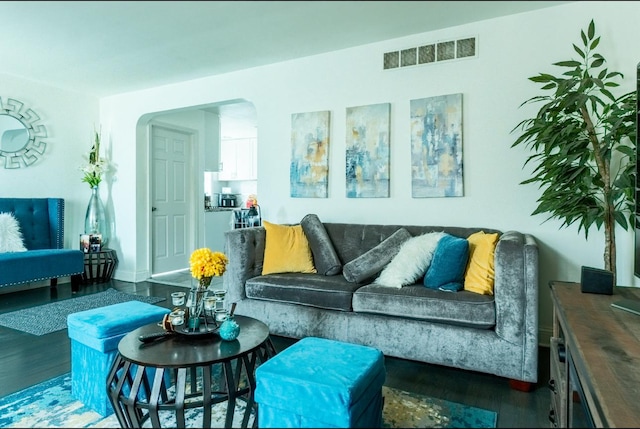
570 63
592 29
602 74
542 78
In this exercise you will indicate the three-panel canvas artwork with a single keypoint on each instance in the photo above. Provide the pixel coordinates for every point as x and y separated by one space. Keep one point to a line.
435 145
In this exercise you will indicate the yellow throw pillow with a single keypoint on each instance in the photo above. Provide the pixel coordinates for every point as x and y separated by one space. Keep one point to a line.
480 274
286 250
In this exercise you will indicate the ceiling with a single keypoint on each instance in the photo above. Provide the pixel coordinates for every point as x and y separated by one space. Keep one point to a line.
110 47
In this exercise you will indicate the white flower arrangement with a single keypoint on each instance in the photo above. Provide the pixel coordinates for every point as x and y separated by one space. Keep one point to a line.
97 166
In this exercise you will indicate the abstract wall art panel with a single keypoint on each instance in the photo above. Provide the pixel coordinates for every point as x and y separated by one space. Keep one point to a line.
367 151
309 169
436 146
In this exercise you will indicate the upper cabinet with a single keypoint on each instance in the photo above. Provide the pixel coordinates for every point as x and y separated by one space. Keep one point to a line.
239 159
238 142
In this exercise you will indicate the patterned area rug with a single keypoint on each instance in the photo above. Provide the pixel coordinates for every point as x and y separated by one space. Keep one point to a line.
50 405
30 320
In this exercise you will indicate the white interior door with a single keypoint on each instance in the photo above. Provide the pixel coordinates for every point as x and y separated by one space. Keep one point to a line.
170 201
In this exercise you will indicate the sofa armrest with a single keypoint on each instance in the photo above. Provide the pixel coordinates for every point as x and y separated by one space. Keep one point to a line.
516 289
245 250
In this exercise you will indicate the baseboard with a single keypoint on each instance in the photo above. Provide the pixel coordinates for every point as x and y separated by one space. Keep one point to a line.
131 276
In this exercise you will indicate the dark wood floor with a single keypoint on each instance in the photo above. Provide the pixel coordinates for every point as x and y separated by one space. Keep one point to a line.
27 359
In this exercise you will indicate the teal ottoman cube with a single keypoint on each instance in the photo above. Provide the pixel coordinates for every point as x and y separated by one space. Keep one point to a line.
95 335
318 383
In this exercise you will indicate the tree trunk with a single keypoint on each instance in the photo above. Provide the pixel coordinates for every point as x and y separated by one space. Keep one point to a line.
610 245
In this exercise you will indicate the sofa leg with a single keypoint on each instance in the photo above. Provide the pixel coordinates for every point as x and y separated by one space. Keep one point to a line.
522 386
76 279
54 283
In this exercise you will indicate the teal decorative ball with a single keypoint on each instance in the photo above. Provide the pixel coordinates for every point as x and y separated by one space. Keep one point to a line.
229 330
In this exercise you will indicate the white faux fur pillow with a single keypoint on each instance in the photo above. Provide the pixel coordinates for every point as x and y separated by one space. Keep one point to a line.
411 262
10 235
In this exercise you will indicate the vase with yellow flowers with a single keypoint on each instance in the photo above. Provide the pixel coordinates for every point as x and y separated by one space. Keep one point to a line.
204 265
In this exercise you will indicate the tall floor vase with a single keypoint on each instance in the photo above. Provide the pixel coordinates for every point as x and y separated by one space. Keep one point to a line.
95 220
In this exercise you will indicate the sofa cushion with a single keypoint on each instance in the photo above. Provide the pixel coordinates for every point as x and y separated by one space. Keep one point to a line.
449 262
10 234
411 262
40 265
374 260
286 250
315 290
325 257
480 274
418 302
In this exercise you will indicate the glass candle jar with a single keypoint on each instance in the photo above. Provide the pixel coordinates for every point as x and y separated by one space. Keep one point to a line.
176 317
221 315
210 303
177 298
219 295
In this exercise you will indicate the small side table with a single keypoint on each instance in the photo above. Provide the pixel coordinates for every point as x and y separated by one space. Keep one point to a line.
99 266
178 375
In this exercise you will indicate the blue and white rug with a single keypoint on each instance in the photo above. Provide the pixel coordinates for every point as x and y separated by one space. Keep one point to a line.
50 405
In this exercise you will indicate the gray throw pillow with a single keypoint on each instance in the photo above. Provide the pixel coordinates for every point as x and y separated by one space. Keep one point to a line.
325 258
373 261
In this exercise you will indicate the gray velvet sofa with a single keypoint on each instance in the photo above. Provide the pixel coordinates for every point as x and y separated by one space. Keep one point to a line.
495 334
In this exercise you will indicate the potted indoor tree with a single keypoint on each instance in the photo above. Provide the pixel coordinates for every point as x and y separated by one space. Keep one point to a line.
583 140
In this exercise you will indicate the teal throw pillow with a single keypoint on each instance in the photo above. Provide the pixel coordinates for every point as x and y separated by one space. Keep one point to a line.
448 265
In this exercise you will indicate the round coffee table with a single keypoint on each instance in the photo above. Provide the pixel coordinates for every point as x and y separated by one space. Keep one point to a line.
178 375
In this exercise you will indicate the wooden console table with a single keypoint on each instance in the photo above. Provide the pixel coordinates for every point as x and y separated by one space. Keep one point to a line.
595 359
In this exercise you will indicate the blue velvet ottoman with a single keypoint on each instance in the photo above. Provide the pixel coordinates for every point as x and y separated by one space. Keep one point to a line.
95 335
321 383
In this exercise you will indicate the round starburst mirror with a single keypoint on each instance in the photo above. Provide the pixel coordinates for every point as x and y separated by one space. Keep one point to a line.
21 143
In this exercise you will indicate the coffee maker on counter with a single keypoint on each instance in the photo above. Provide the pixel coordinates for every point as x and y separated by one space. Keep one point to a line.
226 198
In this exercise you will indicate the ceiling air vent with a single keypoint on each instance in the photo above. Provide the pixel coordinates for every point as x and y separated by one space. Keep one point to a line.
431 53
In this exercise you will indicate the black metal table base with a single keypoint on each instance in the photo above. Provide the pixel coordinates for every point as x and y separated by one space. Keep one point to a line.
99 266
140 393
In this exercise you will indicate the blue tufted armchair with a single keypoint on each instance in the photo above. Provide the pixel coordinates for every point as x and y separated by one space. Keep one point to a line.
42 225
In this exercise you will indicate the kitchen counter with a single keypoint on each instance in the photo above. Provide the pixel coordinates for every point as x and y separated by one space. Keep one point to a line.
220 209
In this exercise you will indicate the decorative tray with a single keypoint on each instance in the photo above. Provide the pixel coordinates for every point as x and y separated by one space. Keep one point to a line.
203 329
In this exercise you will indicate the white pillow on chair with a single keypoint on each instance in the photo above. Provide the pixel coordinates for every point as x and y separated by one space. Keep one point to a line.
10 235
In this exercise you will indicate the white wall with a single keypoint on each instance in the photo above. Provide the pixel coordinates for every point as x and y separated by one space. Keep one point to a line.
69 118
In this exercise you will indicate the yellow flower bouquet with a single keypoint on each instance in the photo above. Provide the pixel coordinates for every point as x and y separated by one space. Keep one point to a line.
204 264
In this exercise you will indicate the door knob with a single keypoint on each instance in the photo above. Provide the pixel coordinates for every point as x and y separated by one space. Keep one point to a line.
153 209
